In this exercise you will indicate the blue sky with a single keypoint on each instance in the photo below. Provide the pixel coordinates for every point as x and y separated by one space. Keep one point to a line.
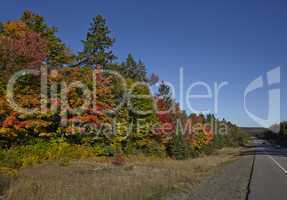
214 41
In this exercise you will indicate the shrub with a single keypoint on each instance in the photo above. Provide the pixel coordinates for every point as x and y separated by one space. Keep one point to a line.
129 148
219 141
39 151
179 148
208 149
237 137
153 148
104 150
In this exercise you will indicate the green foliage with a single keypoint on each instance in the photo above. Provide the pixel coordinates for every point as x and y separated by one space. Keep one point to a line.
98 43
219 141
237 137
141 115
277 134
130 148
39 150
153 148
1 27
133 70
178 147
104 150
208 149
165 93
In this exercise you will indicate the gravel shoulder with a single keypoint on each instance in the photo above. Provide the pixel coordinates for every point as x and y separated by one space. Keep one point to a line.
226 183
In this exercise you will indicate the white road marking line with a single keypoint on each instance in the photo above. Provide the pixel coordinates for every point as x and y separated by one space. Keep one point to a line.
277 163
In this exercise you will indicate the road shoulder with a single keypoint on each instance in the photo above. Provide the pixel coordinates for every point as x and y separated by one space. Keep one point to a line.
229 182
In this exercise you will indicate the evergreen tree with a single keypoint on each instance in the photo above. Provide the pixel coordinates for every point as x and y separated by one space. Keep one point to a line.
141 71
165 94
202 118
208 118
179 148
129 67
98 43
133 70
1 27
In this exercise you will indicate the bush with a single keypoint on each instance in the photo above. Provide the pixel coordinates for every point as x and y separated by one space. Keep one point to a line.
238 137
130 148
104 150
219 141
39 151
153 148
208 149
179 148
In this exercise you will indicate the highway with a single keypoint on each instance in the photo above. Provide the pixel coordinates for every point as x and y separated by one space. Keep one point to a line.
269 176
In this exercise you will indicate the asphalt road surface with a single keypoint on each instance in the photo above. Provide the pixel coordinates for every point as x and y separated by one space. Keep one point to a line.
259 174
269 177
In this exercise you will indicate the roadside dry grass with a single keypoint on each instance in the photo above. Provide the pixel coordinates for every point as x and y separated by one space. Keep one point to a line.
137 179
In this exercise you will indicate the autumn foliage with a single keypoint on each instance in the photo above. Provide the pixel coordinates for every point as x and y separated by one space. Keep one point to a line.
30 43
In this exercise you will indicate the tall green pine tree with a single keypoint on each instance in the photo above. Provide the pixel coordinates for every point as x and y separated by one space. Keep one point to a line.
98 44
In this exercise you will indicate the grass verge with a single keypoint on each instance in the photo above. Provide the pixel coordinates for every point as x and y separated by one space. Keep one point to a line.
139 178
